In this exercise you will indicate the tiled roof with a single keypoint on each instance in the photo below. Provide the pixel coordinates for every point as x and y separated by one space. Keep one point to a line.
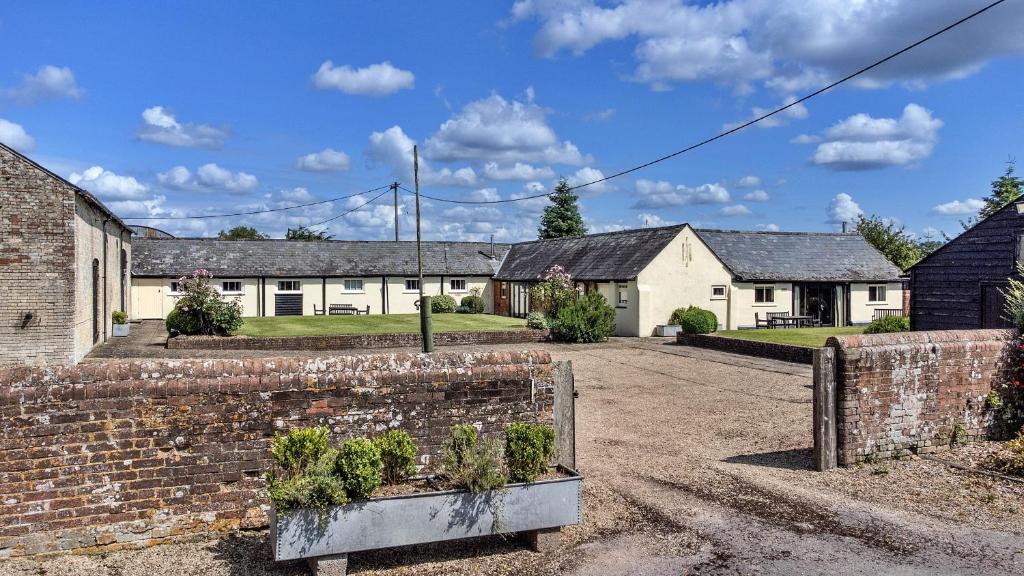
799 256
170 257
610 256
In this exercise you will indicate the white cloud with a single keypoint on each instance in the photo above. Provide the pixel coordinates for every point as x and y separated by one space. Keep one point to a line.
373 80
956 207
498 130
49 82
297 195
805 139
648 220
108 185
161 127
600 115
842 208
662 194
862 142
326 160
485 195
15 136
789 45
519 171
587 174
735 210
756 196
393 148
208 177
795 112
749 182
768 227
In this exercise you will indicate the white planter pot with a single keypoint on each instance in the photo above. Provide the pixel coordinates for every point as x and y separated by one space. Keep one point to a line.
667 329
120 329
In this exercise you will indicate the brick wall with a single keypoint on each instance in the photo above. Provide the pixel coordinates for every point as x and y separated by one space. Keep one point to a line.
911 391
353 341
128 453
784 352
37 265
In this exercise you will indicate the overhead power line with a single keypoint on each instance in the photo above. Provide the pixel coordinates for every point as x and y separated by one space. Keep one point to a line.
254 212
745 124
351 210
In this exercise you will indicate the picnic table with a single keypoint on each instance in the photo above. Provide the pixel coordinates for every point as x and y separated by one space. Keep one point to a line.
791 321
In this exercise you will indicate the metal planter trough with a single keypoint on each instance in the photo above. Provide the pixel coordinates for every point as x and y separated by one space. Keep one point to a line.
536 510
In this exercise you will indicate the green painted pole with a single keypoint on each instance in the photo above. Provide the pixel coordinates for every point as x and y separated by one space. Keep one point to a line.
426 324
426 327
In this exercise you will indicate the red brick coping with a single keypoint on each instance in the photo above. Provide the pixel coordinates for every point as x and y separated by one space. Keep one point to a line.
353 341
774 350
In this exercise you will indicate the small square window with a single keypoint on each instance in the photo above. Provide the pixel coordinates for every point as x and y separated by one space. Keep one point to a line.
289 286
764 294
718 292
457 284
175 288
622 297
876 293
231 287
412 285
353 285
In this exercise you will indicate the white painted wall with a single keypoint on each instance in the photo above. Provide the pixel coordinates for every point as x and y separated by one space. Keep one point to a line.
862 310
743 307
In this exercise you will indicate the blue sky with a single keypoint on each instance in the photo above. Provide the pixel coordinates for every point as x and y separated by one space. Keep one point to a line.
205 108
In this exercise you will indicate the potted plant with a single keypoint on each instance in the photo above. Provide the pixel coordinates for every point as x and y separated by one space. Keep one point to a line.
365 495
120 323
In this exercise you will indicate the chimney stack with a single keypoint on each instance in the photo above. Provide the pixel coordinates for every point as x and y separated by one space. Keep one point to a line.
844 227
492 246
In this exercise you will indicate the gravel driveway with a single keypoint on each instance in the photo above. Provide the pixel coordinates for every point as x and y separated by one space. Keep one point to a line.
696 462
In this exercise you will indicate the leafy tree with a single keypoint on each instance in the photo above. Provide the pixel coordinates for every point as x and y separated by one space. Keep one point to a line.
306 235
889 239
1005 189
241 233
562 218
926 247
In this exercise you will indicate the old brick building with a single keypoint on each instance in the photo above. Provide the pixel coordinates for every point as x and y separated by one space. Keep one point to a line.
64 262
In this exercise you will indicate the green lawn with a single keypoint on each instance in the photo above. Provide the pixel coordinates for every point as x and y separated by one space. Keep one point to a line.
813 337
373 324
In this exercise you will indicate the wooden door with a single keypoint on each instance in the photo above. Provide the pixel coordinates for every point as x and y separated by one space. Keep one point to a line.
501 298
288 305
993 314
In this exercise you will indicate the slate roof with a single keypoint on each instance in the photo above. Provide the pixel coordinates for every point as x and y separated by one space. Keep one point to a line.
171 257
609 256
799 256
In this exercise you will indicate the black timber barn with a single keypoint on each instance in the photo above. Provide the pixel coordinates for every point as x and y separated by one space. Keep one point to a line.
959 286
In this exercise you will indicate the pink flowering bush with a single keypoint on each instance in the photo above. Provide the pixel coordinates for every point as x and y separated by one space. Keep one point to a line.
553 293
202 310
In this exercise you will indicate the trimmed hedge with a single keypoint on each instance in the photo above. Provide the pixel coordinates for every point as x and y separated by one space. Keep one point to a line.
474 303
442 304
693 320
888 324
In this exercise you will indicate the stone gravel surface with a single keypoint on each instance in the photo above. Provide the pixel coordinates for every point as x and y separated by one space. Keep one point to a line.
696 462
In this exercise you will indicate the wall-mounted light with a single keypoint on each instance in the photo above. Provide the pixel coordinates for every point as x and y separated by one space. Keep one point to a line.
27 319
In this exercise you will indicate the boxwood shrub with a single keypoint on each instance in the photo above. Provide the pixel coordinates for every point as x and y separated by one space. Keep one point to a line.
528 450
359 467
589 318
474 303
442 304
397 455
694 320
888 324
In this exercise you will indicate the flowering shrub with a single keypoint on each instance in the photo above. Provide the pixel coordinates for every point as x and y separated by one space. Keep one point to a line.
201 309
554 292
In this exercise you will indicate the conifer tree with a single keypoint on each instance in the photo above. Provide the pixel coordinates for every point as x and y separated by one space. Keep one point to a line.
562 218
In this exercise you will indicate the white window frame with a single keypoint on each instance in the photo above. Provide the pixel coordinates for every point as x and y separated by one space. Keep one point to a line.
289 291
408 290
885 293
454 290
770 287
724 293
620 290
174 288
239 292
346 290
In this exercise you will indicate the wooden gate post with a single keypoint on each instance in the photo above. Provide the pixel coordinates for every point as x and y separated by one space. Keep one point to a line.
825 446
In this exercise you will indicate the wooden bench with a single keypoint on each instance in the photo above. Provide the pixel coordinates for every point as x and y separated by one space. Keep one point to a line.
345 310
886 313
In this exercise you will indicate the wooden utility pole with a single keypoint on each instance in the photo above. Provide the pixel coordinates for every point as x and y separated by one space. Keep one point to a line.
426 329
394 188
